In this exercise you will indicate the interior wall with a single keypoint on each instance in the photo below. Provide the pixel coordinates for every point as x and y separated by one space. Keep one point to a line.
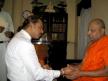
100 10
8 6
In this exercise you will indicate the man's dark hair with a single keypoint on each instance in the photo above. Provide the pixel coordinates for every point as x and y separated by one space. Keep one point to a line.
32 19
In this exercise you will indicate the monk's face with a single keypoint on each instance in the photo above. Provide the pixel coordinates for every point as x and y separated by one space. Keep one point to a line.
95 31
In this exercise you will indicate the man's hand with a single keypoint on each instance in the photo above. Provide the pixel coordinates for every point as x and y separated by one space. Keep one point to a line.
1 29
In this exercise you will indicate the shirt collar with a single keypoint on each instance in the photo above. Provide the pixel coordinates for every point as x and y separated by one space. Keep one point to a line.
26 34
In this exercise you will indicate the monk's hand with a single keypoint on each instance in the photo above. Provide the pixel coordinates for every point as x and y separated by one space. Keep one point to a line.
74 74
67 70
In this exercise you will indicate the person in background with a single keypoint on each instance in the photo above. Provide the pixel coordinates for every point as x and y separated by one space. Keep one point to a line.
21 58
6 32
94 66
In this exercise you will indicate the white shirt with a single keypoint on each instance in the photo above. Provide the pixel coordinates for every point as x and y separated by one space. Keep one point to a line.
5 21
22 62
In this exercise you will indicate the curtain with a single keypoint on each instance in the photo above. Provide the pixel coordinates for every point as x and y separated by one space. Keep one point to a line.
84 19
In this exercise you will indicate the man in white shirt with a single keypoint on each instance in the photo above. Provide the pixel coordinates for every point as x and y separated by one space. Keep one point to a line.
21 58
6 29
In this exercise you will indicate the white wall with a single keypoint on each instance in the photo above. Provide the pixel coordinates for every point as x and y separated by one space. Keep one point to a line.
100 10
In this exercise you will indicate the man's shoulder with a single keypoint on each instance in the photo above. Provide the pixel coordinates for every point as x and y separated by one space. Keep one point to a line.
21 38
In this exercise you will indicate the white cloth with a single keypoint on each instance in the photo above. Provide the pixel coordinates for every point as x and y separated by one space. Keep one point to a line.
22 62
5 21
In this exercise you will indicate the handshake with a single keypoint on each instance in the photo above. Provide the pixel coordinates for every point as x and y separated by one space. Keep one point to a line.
71 72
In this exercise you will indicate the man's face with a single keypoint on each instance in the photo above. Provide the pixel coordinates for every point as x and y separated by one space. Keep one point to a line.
37 29
95 31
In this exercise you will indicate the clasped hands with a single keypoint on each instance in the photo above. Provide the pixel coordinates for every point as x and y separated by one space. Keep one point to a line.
70 72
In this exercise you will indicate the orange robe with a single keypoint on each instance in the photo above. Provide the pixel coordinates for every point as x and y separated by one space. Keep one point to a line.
96 57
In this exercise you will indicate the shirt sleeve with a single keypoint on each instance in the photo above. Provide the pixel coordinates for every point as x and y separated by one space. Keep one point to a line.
30 60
